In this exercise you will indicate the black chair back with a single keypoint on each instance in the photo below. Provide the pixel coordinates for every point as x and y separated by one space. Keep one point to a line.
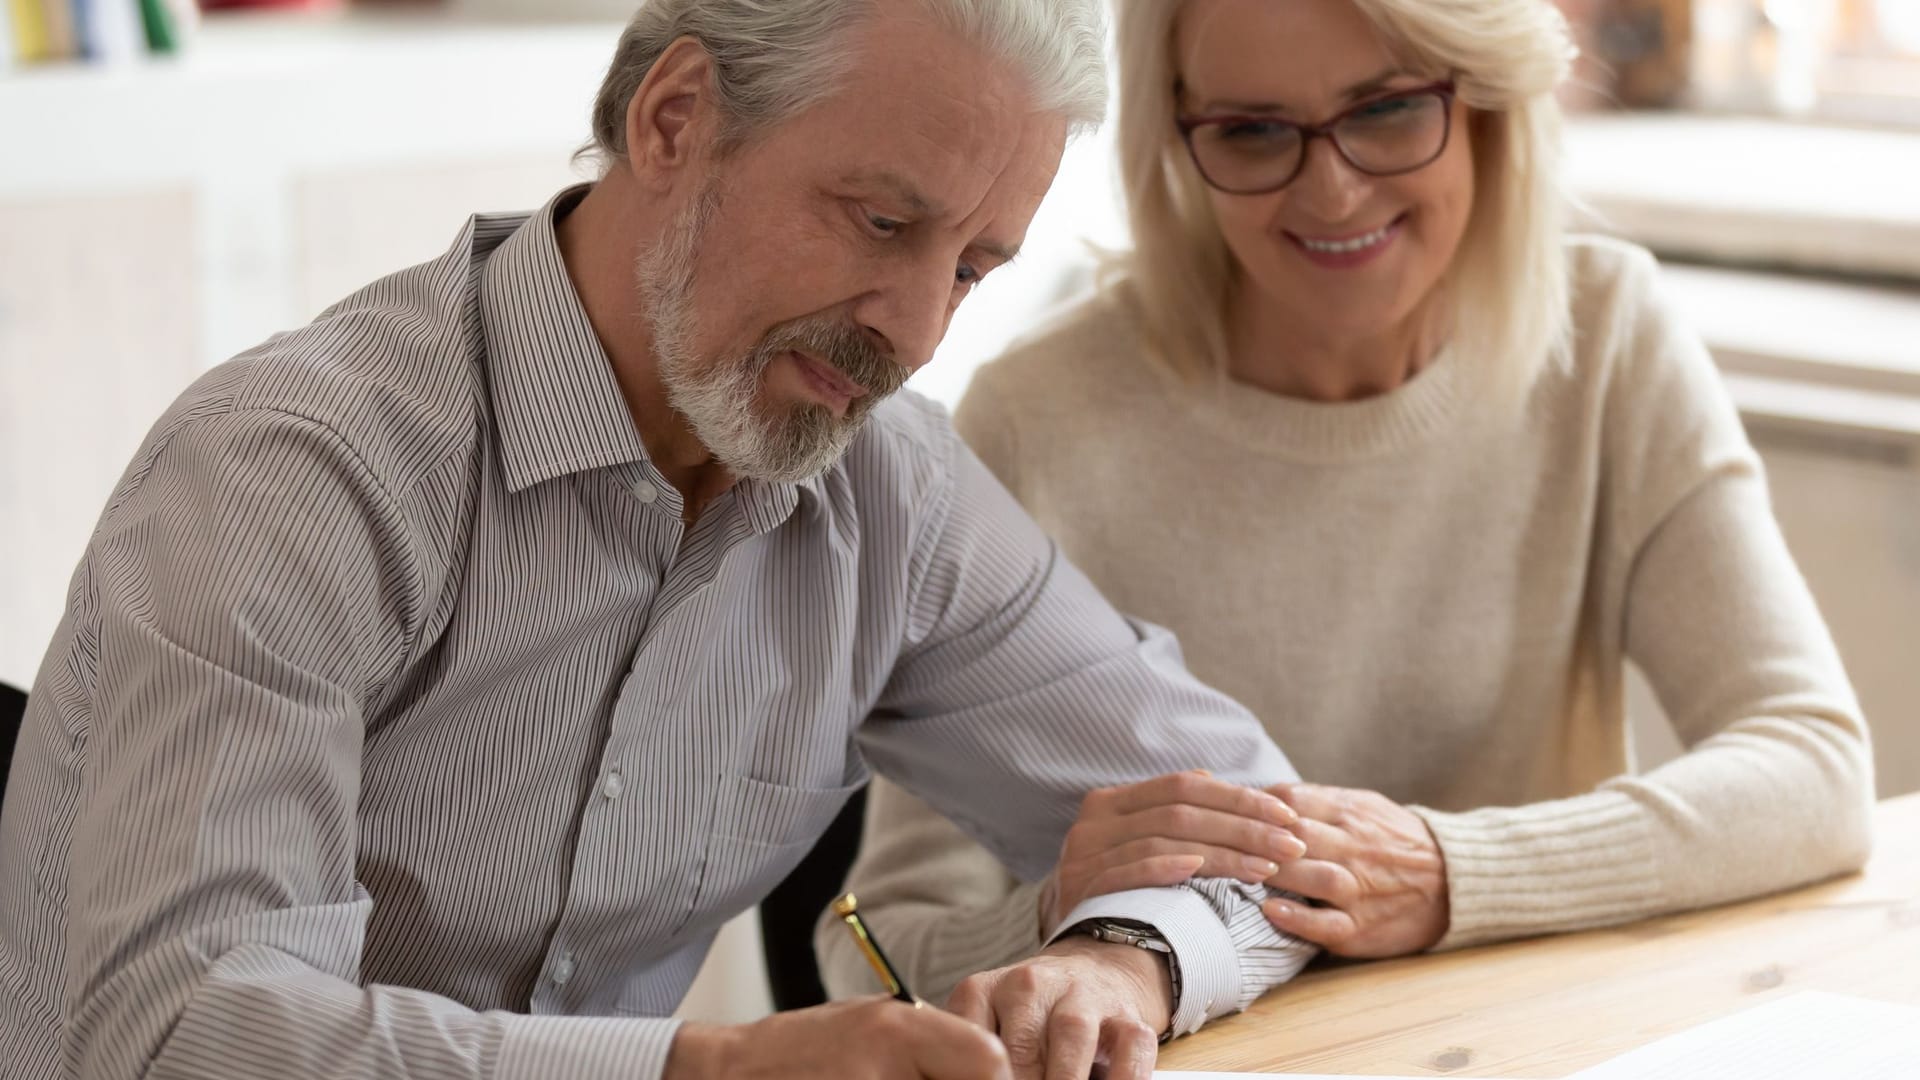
788 913
13 706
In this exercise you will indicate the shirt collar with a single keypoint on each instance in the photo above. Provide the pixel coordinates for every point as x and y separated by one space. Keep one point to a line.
765 506
556 400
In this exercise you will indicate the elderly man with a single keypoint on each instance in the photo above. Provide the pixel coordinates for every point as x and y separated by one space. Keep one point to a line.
443 674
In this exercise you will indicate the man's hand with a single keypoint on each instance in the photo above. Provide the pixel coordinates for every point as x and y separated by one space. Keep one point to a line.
1079 1002
1373 863
1164 831
874 1038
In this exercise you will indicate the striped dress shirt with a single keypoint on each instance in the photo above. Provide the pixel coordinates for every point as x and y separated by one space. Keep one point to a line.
398 726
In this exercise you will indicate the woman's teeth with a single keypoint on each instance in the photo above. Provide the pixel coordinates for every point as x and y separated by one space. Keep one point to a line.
1354 244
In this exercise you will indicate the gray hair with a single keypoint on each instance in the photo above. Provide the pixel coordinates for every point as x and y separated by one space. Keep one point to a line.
773 58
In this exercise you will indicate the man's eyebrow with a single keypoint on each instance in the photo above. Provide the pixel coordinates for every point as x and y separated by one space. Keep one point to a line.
900 189
1003 252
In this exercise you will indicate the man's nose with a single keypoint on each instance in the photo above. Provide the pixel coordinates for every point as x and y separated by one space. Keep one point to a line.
908 312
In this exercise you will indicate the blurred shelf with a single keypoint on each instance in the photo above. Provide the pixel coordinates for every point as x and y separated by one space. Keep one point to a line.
1751 191
1858 336
274 93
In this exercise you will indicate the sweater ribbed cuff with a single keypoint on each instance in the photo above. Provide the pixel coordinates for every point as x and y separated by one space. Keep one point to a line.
1549 867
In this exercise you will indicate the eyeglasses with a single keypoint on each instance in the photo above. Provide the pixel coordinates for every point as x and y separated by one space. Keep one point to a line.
1381 136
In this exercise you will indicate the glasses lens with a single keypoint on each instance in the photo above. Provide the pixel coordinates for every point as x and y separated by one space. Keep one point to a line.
1246 155
1394 134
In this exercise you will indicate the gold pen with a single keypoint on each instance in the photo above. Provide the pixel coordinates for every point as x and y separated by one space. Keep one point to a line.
848 909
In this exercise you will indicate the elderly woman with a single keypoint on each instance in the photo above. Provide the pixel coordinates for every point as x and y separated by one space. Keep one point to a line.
1414 474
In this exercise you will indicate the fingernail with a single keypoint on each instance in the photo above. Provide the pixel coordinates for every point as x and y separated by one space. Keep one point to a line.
1280 909
1260 869
1283 843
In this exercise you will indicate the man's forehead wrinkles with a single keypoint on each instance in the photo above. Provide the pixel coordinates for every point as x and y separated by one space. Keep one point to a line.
897 186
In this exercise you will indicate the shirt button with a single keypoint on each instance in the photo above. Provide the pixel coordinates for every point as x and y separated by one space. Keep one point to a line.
562 969
645 491
613 786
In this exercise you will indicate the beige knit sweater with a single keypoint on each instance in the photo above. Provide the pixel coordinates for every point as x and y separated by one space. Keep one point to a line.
1423 596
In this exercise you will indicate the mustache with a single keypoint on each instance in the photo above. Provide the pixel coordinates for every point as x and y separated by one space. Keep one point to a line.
851 350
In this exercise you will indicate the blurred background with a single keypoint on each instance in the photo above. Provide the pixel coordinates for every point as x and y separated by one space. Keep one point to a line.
178 181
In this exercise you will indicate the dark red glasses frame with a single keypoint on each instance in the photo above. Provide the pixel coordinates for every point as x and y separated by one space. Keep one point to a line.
1309 132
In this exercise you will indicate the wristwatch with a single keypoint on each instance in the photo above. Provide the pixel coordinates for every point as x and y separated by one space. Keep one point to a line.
1140 936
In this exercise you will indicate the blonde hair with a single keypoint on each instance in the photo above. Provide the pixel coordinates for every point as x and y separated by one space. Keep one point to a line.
1507 284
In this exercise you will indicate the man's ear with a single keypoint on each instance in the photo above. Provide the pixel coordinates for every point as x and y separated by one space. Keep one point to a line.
672 118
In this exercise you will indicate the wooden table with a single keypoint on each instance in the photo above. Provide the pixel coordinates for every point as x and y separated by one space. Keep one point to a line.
1553 1006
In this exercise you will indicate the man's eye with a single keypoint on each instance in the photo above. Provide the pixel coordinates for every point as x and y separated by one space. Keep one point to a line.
883 225
967 274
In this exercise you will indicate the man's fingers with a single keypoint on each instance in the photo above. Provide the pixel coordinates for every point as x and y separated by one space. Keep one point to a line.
1319 879
1022 1003
1215 861
1073 1037
1130 1047
972 1001
947 1047
1198 788
1328 927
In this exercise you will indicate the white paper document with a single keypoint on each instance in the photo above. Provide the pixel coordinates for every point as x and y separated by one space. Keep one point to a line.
1806 1036
1163 1074
1798 1037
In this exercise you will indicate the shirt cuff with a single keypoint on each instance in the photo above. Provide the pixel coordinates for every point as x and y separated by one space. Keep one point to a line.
584 1047
1209 963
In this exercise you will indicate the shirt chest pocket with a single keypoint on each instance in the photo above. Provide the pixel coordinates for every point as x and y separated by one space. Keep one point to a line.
760 832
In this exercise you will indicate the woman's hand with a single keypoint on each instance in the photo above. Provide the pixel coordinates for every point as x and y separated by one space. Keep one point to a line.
1164 831
1375 866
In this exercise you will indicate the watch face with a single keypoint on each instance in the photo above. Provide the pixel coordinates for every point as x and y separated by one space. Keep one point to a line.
1139 935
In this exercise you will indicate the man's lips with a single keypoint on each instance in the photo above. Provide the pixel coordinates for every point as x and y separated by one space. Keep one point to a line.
829 377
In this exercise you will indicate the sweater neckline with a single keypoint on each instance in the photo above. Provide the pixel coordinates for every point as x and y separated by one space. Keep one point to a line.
1410 415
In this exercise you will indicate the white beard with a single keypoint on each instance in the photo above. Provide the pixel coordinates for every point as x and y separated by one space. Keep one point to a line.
721 399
